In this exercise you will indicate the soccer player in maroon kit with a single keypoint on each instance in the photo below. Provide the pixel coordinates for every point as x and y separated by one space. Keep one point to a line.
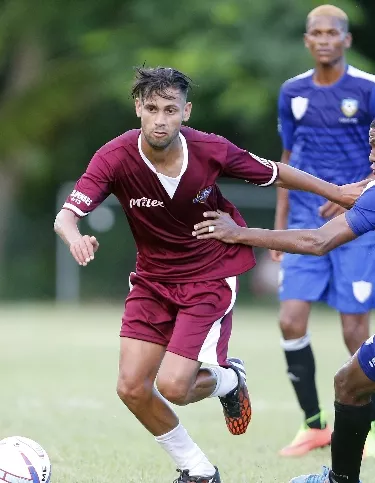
178 313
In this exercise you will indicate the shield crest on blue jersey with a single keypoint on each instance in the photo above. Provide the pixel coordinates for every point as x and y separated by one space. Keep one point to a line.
349 107
362 290
299 107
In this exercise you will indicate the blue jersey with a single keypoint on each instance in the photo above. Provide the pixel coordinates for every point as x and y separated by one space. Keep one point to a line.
326 130
361 218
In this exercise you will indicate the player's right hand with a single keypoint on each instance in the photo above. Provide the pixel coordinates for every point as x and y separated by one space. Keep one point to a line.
83 249
276 255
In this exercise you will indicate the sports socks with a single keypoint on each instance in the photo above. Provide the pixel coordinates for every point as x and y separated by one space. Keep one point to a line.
301 372
352 424
185 453
226 380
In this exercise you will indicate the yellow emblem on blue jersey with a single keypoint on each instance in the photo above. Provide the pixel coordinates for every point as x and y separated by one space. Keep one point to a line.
349 107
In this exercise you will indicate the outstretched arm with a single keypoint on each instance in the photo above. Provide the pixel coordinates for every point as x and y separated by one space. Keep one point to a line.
314 242
294 179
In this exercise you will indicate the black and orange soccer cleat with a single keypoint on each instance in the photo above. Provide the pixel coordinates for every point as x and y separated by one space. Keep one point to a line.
186 478
236 404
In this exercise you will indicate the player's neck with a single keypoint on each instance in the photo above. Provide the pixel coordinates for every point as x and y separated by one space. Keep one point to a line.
326 75
166 156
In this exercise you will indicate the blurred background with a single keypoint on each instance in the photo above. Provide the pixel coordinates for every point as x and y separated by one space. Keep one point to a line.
65 73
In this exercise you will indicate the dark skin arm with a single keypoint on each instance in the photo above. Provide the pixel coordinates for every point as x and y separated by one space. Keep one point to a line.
312 242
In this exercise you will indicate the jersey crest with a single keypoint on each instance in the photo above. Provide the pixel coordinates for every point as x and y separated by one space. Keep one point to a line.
349 107
203 195
299 107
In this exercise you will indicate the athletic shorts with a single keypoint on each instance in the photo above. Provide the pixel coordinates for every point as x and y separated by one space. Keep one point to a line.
343 278
193 320
366 358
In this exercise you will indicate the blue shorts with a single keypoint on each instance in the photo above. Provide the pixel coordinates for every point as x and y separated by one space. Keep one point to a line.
343 278
366 358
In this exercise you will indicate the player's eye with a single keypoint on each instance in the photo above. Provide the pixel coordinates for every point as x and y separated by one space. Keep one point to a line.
151 108
170 110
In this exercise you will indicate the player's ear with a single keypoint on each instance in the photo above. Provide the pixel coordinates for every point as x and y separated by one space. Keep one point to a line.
138 107
348 40
187 111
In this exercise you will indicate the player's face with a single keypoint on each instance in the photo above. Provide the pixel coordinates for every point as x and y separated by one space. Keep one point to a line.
372 144
327 40
161 118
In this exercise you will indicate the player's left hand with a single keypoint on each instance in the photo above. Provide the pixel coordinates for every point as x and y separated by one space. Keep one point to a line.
350 192
220 226
331 210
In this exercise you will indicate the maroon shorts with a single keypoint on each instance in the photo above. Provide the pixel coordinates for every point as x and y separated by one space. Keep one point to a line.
193 320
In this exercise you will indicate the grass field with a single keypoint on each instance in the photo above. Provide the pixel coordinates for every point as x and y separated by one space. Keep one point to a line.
58 377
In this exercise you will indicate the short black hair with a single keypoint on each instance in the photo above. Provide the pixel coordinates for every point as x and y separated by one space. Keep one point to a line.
372 125
149 81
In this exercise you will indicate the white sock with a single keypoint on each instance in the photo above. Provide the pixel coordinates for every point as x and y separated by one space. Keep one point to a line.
226 380
185 453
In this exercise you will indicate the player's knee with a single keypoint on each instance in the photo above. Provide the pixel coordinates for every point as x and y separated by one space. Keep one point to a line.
132 392
345 391
173 389
291 327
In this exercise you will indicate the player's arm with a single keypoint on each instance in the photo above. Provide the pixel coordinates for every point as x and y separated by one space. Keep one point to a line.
313 242
342 229
294 179
282 208
90 190
81 247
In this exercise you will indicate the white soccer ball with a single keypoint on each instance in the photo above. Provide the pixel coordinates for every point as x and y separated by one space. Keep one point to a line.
23 460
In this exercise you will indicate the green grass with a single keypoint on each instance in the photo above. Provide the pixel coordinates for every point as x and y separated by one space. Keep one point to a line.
58 370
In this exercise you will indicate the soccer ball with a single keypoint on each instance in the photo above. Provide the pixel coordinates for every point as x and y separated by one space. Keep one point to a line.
23 460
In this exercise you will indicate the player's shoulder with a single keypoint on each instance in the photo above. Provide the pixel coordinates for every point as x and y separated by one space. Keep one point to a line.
120 143
297 82
360 77
194 136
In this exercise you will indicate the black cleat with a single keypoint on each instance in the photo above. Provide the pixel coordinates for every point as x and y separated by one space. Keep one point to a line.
236 404
186 478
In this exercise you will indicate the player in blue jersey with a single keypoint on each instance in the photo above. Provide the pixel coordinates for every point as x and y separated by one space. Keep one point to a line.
324 117
355 381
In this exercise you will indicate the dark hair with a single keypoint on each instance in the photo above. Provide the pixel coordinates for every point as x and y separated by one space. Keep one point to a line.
372 125
149 81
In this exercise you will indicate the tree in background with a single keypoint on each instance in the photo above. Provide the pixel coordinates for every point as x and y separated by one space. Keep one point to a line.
65 74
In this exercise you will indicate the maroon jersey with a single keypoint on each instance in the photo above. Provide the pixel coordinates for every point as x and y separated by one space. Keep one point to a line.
162 211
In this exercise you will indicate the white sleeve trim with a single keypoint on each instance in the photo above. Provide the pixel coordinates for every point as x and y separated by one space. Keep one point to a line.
274 175
76 210
368 186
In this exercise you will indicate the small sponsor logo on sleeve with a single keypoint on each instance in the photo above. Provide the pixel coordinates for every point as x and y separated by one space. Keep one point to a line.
77 197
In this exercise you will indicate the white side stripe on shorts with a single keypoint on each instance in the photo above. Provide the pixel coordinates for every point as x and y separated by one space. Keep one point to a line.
208 352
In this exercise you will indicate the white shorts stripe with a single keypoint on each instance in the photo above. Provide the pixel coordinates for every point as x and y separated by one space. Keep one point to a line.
208 352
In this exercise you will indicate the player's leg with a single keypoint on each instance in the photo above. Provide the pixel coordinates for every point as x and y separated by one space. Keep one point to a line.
355 330
304 279
201 335
354 384
352 295
146 330
139 363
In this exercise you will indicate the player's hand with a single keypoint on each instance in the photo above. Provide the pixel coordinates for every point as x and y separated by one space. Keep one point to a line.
350 192
276 255
331 210
83 249
220 225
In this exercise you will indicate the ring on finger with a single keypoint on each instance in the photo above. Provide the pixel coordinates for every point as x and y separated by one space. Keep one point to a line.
211 229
